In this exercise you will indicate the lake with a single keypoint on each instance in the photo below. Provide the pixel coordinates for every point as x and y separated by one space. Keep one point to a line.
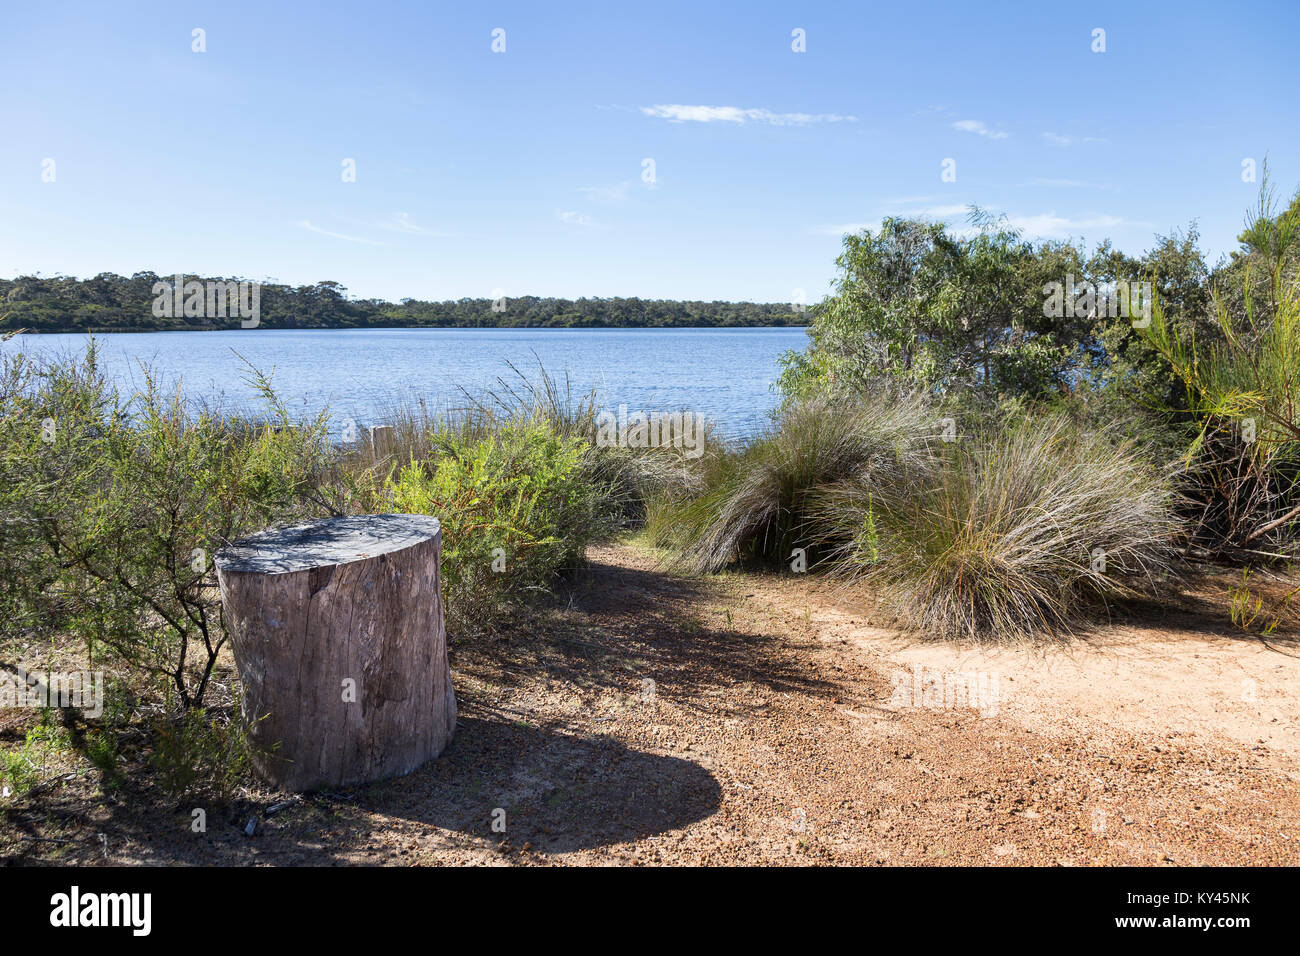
360 374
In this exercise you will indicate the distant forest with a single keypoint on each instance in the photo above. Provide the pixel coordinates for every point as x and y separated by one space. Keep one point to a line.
114 303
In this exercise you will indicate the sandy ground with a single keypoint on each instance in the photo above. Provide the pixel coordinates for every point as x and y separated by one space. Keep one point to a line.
770 719
1180 671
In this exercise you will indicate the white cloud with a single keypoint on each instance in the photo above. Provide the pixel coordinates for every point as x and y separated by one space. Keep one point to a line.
1042 226
979 129
678 113
1061 139
1051 226
305 224
575 219
941 213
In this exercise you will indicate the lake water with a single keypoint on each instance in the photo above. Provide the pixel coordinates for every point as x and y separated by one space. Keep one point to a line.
724 374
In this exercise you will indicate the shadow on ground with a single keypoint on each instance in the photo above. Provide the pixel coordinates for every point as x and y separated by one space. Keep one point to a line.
1200 606
559 791
562 784
618 626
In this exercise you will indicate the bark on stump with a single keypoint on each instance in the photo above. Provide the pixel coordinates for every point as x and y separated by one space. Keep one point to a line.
337 628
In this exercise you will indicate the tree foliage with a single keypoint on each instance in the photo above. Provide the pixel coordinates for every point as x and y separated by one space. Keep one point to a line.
944 312
110 302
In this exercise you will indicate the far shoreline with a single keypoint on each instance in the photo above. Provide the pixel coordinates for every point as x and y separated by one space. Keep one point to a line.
401 328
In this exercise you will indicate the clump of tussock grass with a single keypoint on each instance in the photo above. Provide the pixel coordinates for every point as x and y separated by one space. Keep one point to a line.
543 398
1005 537
629 477
751 501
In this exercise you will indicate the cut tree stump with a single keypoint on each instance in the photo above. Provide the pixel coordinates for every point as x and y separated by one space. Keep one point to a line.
337 629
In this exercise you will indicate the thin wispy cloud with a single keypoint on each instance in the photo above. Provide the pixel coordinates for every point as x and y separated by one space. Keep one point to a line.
398 222
1040 226
679 113
941 212
576 219
401 222
306 224
1051 226
979 129
844 229
1061 139
945 213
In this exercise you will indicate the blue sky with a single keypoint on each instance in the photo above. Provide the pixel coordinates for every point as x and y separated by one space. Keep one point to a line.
523 171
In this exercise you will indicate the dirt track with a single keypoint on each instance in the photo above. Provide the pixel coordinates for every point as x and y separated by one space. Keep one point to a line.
760 719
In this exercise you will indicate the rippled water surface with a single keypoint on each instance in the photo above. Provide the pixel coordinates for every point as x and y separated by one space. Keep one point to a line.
725 374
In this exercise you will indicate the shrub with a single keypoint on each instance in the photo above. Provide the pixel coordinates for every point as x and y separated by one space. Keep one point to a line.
1243 464
1243 386
199 754
518 505
122 504
45 411
169 488
921 303
1009 534
28 766
752 501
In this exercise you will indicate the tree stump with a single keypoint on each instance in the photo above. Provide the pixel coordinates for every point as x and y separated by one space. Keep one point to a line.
337 629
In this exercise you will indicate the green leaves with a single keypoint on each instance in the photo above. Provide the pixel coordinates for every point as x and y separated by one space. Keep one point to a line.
121 504
940 312
518 503
1243 392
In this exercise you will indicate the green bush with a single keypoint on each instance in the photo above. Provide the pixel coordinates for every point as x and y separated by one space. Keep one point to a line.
919 303
518 504
752 501
162 489
119 505
1243 459
44 408
29 765
199 754
1009 534
113 507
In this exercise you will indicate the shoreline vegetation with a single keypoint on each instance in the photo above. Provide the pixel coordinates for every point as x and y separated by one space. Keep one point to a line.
114 303
383 328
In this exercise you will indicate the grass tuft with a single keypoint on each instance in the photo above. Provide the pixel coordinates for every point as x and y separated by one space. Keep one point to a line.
1015 534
